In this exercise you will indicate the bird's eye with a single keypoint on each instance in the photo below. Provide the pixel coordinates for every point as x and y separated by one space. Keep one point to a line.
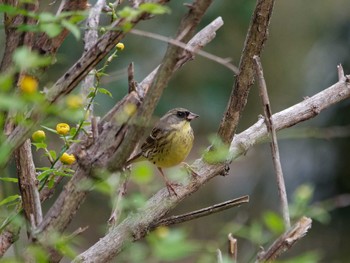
180 114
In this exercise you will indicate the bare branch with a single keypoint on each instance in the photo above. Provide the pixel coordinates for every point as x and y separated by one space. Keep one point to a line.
232 247
28 185
286 241
131 79
254 43
223 61
201 39
274 143
201 212
219 258
113 219
90 38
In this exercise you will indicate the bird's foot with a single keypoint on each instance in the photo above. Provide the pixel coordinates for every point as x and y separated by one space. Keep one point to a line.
170 187
190 170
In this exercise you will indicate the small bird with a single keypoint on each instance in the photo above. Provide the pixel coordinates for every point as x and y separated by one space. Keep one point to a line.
169 143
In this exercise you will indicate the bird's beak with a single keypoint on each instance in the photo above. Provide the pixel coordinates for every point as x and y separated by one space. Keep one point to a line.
192 116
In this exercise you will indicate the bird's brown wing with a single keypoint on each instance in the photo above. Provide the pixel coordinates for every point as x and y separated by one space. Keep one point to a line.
151 141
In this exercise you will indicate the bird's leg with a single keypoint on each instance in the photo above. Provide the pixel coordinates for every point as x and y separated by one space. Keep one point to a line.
167 183
189 169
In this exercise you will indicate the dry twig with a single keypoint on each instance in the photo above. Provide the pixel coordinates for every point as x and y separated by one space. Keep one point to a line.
201 212
274 143
232 247
286 241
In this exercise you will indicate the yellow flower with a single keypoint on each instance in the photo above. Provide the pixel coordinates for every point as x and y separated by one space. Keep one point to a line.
120 46
39 136
67 158
74 102
62 128
28 84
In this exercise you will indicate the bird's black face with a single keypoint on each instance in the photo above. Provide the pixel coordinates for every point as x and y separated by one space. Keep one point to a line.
182 114
185 115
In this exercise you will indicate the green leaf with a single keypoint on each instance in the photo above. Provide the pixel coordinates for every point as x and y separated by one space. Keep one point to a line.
129 13
219 152
39 145
45 174
11 102
53 154
28 28
9 179
51 29
105 91
9 9
25 59
142 173
274 222
6 81
171 245
47 17
9 199
72 28
154 8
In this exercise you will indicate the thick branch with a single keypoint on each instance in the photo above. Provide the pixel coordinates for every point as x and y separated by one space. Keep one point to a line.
137 225
28 185
254 43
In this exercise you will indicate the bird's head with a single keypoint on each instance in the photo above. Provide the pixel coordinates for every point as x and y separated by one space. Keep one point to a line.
178 116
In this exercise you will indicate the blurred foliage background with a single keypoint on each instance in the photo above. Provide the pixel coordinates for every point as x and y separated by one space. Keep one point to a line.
307 39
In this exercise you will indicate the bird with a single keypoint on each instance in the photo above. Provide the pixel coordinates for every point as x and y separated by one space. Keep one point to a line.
169 142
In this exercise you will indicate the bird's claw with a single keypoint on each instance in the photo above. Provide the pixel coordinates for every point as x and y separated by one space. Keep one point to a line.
190 170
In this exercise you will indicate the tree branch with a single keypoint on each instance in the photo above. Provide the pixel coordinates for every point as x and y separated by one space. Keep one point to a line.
28 185
286 241
274 143
201 212
254 43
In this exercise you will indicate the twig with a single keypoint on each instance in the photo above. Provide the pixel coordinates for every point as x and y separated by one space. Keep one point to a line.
274 143
232 247
222 61
254 43
201 39
201 212
341 75
131 80
113 219
286 241
219 258
90 38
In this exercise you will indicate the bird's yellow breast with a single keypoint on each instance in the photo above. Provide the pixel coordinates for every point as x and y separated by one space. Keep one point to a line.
178 146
